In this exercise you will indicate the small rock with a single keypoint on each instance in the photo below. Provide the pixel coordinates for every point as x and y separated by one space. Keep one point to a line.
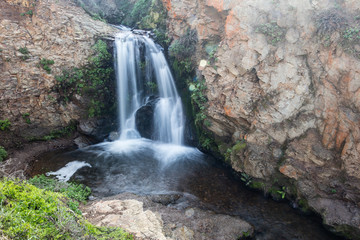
113 136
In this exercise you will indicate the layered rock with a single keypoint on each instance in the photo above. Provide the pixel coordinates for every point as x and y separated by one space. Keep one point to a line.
29 32
287 90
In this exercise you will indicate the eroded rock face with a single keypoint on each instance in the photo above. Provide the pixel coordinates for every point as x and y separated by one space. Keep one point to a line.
53 30
292 95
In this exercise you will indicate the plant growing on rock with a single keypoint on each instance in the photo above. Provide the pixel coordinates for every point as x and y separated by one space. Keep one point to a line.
93 81
45 64
5 124
3 153
273 32
29 13
184 47
26 117
246 179
25 53
330 21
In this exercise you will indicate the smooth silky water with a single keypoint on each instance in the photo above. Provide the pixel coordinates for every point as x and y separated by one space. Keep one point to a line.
163 165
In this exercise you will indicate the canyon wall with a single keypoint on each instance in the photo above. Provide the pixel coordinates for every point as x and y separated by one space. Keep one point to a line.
38 40
283 90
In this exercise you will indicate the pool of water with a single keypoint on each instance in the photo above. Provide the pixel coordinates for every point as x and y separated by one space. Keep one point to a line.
145 167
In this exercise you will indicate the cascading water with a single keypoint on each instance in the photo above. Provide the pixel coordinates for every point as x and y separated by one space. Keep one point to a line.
168 114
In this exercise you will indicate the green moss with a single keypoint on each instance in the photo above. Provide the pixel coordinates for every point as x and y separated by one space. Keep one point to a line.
239 146
303 205
257 185
28 212
3 153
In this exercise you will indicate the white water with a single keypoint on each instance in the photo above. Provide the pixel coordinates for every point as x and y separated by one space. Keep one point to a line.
168 114
64 174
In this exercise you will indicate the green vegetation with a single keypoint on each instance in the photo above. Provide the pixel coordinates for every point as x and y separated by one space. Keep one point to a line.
28 212
184 47
26 117
3 153
161 37
282 192
139 11
25 53
247 179
245 236
76 192
334 21
333 191
146 14
257 185
152 85
94 81
45 64
24 50
66 131
273 32
5 124
239 146
199 100
29 13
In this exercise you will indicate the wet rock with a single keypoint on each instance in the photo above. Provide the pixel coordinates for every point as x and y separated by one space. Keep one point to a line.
113 136
144 121
144 118
82 142
165 199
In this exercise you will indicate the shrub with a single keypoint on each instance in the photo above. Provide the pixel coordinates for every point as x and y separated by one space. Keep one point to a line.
28 212
330 21
184 47
3 153
92 80
138 12
5 124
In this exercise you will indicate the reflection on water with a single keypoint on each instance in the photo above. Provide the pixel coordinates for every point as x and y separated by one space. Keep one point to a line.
145 167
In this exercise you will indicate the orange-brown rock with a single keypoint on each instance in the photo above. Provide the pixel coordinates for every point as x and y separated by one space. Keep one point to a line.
293 92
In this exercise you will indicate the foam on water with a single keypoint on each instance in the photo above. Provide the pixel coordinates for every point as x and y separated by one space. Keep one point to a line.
64 174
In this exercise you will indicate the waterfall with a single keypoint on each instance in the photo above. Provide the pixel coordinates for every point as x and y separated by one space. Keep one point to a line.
168 118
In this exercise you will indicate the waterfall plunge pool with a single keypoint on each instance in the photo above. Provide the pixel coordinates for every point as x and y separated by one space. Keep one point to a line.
146 167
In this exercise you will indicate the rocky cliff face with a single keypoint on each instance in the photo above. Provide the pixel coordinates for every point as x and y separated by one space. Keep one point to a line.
38 39
283 94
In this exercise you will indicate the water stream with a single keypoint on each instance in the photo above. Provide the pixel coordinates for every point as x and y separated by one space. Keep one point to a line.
162 164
